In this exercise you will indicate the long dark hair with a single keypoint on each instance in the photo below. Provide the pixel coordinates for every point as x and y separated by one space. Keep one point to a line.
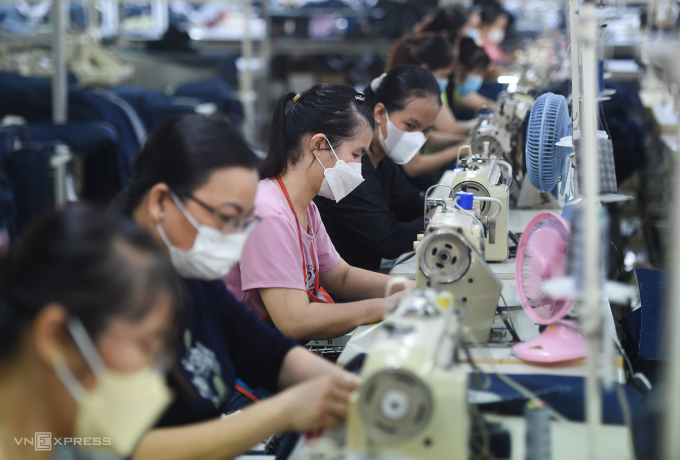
490 11
450 19
401 85
428 48
337 111
471 57
183 153
97 267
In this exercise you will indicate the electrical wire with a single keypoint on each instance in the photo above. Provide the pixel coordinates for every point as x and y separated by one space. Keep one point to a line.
483 451
524 391
513 330
625 357
618 257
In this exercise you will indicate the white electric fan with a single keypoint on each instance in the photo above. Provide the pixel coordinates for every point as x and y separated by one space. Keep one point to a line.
542 255
549 166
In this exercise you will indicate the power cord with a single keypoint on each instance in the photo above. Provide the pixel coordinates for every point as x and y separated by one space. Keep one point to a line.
509 324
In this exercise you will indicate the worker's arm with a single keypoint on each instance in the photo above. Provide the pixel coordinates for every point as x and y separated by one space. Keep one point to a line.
475 101
422 164
438 140
301 365
354 283
298 318
317 403
493 71
446 122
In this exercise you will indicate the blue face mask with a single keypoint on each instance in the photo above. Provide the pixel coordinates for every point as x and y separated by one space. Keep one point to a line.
471 85
443 83
475 34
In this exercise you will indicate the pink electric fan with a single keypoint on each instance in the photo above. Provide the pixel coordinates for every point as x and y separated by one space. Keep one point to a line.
542 255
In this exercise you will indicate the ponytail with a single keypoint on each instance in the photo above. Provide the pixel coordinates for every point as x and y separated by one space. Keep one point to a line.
276 162
337 111
400 53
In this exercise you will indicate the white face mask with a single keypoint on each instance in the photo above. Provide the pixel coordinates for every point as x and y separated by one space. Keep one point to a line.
121 407
341 179
400 146
495 35
213 254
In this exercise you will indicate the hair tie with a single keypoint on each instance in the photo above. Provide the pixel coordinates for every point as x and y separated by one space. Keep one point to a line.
375 84
297 96
360 96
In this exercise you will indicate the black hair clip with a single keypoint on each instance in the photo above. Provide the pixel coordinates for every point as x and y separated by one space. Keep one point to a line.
360 96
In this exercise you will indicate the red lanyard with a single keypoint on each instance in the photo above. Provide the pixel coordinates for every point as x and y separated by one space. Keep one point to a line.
302 250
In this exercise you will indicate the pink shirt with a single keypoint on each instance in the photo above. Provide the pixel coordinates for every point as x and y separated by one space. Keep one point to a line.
271 256
494 51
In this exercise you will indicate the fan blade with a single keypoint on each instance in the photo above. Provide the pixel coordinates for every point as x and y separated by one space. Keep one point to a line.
545 245
563 287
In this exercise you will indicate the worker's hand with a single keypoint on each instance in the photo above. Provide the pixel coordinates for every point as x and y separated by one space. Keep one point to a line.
392 301
318 403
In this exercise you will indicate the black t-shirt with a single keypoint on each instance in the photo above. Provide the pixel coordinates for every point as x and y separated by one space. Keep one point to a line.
379 219
220 340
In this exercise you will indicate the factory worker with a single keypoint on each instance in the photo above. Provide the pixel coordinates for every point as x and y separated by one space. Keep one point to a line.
433 52
494 21
88 307
468 78
193 189
290 267
452 22
383 216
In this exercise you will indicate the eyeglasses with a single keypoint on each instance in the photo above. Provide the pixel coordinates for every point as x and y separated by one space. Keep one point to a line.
229 224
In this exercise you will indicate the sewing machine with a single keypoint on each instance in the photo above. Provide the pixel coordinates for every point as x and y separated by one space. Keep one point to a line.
502 130
486 176
450 256
412 402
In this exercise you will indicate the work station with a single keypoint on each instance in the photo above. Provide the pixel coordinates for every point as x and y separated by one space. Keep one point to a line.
339 229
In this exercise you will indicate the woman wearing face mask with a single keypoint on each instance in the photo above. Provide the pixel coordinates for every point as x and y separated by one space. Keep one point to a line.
289 265
432 52
193 189
384 215
494 21
468 78
87 315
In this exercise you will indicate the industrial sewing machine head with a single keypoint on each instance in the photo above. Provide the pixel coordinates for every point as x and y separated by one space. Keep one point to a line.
450 256
502 130
486 176
412 402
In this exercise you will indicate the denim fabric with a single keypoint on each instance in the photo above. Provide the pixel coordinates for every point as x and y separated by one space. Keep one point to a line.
96 143
32 99
7 207
30 177
216 91
12 138
154 107
564 394
653 317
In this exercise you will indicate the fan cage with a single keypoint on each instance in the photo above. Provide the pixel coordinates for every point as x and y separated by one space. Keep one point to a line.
548 123
544 309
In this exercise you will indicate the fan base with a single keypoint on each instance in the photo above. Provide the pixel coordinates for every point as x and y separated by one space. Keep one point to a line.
558 342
